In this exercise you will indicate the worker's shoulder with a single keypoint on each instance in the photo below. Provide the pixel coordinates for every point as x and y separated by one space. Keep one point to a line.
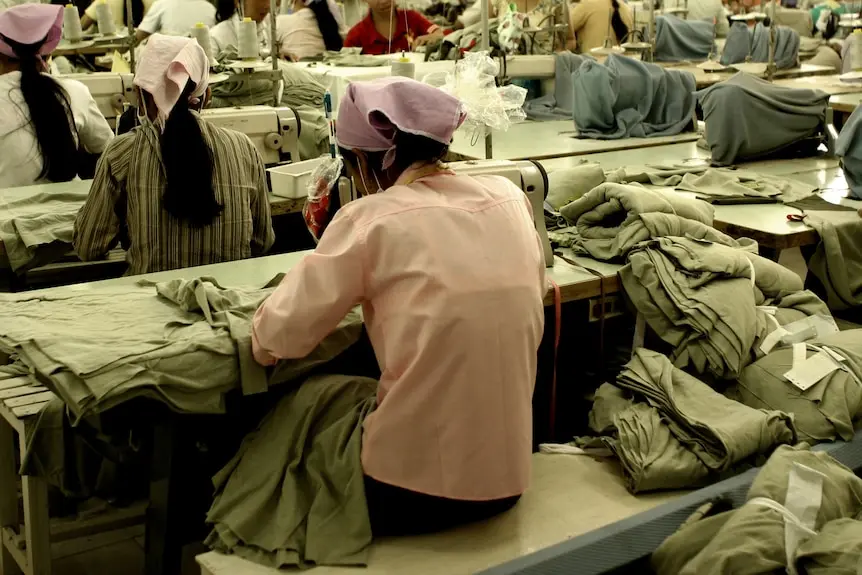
232 137
76 90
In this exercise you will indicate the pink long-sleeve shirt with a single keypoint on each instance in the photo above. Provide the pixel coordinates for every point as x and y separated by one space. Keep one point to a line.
450 274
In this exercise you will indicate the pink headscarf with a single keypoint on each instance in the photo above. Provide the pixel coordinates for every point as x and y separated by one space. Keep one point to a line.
370 113
166 66
31 24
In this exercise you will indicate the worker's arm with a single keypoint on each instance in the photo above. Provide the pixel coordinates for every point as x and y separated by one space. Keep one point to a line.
578 15
314 296
97 226
93 130
354 37
152 22
426 32
263 235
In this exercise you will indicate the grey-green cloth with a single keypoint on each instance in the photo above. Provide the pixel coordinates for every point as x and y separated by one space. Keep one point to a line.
829 410
294 493
353 58
751 539
836 550
627 98
678 40
702 298
559 105
737 110
837 260
31 222
685 432
743 42
718 182
612 218
849 149
569 184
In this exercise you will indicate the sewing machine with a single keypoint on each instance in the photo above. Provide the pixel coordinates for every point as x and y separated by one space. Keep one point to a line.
112 91
528 175
273 131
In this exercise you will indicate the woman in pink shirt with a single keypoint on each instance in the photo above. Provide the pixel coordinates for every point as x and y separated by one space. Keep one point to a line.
450 275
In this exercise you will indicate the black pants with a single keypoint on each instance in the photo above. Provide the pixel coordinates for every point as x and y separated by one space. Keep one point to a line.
397 511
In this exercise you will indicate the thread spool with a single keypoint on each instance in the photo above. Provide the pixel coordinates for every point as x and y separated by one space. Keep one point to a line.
249 49
105 19
856 51
403 67
72 24
201 33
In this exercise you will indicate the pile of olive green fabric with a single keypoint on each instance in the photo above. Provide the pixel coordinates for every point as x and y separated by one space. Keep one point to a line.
707 300
672 431
751 539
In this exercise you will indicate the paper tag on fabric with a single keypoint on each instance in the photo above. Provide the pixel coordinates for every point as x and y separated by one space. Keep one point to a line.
770 309
804 496
811 371
771 340
800 354
835 355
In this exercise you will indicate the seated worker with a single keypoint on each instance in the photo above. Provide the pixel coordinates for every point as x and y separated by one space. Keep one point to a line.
226 32
176 17
590 23
389 30
47 125
450 274
176 191
309 30
118 9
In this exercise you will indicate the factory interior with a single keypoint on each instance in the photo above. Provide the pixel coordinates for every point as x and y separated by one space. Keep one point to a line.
449 287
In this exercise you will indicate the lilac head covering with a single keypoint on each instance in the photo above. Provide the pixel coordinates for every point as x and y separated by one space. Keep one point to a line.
31 24
370 113
166 66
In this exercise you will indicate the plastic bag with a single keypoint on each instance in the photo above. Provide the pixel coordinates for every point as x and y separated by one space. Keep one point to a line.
318 209
510 30
473 82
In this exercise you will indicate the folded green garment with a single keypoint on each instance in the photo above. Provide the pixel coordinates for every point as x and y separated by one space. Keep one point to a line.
836 550
569 184
837 261
294 494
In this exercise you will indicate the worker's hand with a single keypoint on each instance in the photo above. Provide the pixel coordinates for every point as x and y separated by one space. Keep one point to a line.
428 39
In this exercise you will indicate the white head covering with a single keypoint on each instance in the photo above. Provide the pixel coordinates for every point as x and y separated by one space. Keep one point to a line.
166 66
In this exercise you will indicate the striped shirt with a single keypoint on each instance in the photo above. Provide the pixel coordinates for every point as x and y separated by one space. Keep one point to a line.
125 205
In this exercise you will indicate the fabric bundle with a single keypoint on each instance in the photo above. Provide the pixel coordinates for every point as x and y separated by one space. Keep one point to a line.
828 410
743 42
716 182
185 343
796 19
677 39
612 218
837 260
849 149
705 300
627 98
736 110
679 432
764 535
294 493
570 184
560 104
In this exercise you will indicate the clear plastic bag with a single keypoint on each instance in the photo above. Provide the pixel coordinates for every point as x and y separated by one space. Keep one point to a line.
473 82
317 211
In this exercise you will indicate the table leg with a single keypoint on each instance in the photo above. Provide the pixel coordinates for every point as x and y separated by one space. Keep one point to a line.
162 547
8 494
37 522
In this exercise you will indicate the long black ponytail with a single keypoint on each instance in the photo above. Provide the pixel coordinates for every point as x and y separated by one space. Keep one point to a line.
50 115
620 28
188 161
328 25
225 9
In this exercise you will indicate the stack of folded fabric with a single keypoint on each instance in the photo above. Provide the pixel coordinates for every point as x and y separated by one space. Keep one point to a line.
185 343
612 218
705 299
744 44
677 39
676 432
719 182
801 515
627 98
828 410
736 110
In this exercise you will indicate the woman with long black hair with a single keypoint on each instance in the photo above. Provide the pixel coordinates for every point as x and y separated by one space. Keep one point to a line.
45 123
177 191
592 21
310 29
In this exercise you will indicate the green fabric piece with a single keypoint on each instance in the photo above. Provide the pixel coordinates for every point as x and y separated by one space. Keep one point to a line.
609 400
610 217
697 296
570 184
294 494
736 183
836 550
353 57
837 261
818 204
751 540
686 431
828 410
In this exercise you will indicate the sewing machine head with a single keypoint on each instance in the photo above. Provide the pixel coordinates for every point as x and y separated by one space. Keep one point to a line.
528 175
113 92
273 131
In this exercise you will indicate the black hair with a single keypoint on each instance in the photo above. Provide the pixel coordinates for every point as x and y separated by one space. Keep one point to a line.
137 12
327 23
225 9
410 148
188 161
620 28
50 111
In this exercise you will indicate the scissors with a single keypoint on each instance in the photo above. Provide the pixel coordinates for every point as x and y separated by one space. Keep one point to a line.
795 217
